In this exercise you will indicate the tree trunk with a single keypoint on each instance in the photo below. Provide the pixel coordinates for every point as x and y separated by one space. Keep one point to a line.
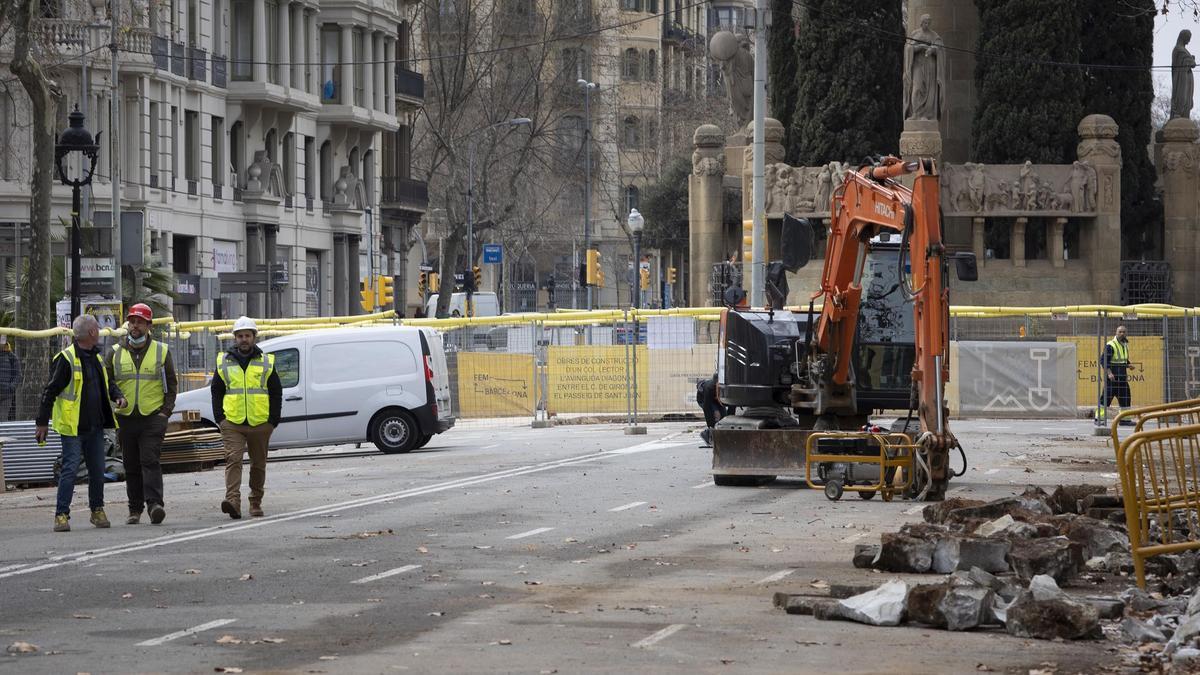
44 95
449 257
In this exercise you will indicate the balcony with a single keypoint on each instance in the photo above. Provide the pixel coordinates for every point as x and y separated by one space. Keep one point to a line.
405 193
160 50
197 64
219 71
178 59
410 85
673 32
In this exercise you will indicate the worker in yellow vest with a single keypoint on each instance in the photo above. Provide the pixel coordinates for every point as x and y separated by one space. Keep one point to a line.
145 373
78 398
1114 362
247 398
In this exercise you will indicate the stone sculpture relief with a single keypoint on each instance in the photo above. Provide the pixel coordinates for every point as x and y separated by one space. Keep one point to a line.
348 190
924 74
801 190
737 67
266 176
1182 85
979 188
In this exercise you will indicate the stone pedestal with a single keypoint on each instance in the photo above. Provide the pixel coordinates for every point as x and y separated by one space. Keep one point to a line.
1181 207
1102 241
705 211
978 230
1016 248
921 138
1055 242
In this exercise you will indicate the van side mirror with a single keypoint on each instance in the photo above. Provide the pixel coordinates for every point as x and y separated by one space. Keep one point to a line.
796 242
965 266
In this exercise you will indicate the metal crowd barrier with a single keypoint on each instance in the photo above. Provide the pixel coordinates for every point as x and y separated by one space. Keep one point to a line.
1159 470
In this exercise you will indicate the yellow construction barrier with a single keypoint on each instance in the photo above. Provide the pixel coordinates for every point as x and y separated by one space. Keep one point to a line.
896 451
1161 487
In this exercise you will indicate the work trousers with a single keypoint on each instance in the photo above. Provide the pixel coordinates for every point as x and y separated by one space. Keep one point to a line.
240 438
88 446
141 448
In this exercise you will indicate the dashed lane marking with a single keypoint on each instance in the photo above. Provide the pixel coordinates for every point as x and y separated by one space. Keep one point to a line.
184 633
530 533
384 575
774 577
703 485
626 507
661 635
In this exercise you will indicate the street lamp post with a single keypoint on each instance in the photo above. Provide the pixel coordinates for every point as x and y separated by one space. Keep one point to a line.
470 284
76 139
636 223
588 88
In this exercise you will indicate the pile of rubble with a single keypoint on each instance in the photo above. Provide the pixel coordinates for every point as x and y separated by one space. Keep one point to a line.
1006 562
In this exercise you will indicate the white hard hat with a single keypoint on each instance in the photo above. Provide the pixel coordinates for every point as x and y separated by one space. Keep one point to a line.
245 323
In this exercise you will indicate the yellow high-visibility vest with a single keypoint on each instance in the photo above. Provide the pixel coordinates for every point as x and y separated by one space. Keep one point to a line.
246 399
143 386
1120 353
64 418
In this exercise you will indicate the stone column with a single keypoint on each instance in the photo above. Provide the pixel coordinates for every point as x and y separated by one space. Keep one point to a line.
1181 209
282 71
978 230
314 54
1017 242
259 67
368 70
705 218
1102 240
347 97
340 276
1055 243
389 76
270 236
253 260
299 58
354 277
379 68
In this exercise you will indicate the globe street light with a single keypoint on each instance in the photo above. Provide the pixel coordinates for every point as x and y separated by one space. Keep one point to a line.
76 139
636 223
468 278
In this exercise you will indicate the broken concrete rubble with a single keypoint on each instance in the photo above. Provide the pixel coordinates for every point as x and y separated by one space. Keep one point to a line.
904 553
1068 498
952 606
1097 537
883 606
954 552
1052 618
1137 631
865 555
1058 557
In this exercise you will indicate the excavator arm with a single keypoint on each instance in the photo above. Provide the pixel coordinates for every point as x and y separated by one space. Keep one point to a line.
870 202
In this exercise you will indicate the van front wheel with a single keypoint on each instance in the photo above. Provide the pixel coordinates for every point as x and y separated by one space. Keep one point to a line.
394 431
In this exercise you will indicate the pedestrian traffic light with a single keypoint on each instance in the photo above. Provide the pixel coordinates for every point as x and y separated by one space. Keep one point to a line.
595 276
368 295
422 284
384 288
670 275
644 276
477 272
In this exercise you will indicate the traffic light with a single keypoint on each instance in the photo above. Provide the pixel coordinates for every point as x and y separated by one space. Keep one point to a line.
435 282
384 289
644 275
477 272
422 284
595 275
368 295
671 275
748 241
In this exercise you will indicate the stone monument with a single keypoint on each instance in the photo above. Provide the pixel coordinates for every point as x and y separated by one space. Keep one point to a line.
706 230
737 67
1181 207
924 92
1182 86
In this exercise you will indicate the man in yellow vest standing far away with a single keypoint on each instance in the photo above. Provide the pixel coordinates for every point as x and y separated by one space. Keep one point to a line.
246 400
77 398
145 373
1114 362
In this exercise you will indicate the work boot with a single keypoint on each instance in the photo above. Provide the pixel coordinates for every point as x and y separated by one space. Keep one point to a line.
256 510
99 519
134 518
231 508
62 522
157 513
706 436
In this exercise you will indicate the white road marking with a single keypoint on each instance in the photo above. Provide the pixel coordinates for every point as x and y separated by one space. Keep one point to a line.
166 540
530 533
855 537
659 636
184 633
991 472
1110 476
994 426
489 447
703 485
774 577
626 507
914 510
384 575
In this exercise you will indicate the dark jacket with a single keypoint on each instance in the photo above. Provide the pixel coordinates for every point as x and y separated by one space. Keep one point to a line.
95 409
274 388
138 353
10 373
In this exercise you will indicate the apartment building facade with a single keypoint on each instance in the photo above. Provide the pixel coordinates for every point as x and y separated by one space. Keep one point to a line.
249 130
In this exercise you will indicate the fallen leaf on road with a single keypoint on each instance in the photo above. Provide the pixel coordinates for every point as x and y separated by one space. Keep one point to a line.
818 584
82 616
504 642
983 668
228 640
422 549
126 596
327 658
579 562
246 577
272 640
374 600
363 563
227 669
483 548
485 596
191 571
571 540
22 648
744 549
45 590
533 583
436 614
776 550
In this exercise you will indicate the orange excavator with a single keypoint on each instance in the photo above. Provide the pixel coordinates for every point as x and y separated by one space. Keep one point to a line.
795 372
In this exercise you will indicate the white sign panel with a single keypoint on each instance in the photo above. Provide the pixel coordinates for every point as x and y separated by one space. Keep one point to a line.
224 256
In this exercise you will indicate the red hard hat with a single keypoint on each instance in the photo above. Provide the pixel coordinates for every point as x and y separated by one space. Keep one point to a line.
141 311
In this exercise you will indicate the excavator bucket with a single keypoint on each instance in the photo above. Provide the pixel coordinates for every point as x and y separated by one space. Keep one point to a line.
753 457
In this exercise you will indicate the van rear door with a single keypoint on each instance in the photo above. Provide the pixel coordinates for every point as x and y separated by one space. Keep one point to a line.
440 379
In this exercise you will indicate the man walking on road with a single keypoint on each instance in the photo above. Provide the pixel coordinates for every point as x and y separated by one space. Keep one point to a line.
246 400
1114 363
145 373
78 397
10 377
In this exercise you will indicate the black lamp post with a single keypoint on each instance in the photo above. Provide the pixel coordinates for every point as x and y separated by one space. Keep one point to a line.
76 139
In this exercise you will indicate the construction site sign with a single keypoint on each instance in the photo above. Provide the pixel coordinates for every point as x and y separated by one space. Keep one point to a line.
673 376
492 384
593 379
1146 375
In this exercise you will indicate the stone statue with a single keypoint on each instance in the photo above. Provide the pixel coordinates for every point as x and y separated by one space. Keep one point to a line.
737 67
1027 183
1182 86
774 182
824 188
924 74
976 182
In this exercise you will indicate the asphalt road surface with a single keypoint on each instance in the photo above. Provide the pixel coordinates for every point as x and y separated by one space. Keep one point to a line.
500 548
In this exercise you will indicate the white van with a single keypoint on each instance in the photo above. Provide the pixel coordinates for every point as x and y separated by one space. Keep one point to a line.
486 304
386 384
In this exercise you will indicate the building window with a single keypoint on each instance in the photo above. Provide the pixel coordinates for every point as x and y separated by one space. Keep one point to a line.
218 151
652 6
218 22
331 43
242 49
629 65
632 195
237 153
191 143
368 176
574 64
310 168
631 5
651 65
174 163
326 172
631 132
289 163
155 148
